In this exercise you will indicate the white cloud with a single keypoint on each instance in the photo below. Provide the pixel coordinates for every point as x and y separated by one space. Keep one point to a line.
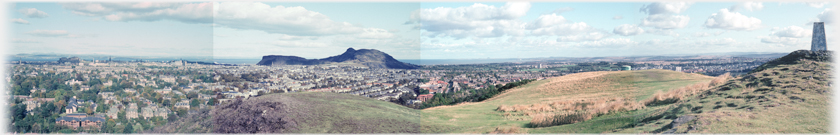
724 19
560 10
722 41
753 6
611 42
665 7
279 19
781 40
592 36
750 6
618 17
564 29
663 21
308 44
477 20
556 25
375 33
702 34
20 21
55 33
25 41
547 21
106 8
791 35
285 37
790 31
706 34
49 33
33 13
664 32
628 30
826 16
145 11
816 4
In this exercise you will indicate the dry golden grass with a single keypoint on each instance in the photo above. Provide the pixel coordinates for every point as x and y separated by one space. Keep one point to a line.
577 109
505 108
570 111
508 130
680 93
544 120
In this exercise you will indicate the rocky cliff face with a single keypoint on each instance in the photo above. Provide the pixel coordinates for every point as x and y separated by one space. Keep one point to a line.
369 57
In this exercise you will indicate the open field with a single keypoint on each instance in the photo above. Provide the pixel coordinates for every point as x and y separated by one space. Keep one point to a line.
612 86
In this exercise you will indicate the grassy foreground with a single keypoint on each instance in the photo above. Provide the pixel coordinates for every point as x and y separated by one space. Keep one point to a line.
629 86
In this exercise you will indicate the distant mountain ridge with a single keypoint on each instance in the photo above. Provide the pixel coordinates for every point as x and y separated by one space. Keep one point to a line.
369 57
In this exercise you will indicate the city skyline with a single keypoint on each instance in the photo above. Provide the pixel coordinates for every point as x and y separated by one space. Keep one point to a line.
427 30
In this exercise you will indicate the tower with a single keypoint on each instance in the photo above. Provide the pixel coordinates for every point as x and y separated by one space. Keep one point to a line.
818 38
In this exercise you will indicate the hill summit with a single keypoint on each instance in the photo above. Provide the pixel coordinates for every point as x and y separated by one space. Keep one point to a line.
369 57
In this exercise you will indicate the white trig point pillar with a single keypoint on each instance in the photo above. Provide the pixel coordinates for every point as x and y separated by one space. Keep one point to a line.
818 38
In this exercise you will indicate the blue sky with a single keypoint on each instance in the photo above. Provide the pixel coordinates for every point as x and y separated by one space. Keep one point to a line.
427 30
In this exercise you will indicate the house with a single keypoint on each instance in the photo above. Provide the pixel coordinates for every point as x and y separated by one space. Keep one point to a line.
183 104
131 111
75 120
84 88
162 112
152 111
148 112
130 90
164 91
112 113
425 97
72 105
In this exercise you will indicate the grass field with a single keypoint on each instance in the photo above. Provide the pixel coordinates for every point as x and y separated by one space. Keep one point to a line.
482 117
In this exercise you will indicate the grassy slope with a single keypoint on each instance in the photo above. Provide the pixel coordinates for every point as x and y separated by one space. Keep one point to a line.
482 118
791 98
323 112
342 113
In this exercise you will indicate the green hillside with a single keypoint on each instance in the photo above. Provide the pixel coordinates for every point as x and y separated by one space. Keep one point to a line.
787 95
629 87
305 112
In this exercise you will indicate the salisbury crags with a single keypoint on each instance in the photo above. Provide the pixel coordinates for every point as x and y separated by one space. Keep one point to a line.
369 57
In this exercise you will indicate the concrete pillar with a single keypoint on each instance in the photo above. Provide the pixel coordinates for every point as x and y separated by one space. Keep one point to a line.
818 38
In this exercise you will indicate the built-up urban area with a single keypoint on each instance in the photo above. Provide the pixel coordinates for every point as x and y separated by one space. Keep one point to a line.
129 97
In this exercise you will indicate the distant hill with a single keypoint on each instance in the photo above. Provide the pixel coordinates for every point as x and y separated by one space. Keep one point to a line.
73 60
368 57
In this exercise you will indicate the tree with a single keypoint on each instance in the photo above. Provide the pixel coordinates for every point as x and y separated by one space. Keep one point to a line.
89 111
212 101
171 117
192 95
424 91
166 103
128 128
182 112
195 103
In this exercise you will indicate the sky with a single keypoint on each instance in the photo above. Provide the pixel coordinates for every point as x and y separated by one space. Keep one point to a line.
411 30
